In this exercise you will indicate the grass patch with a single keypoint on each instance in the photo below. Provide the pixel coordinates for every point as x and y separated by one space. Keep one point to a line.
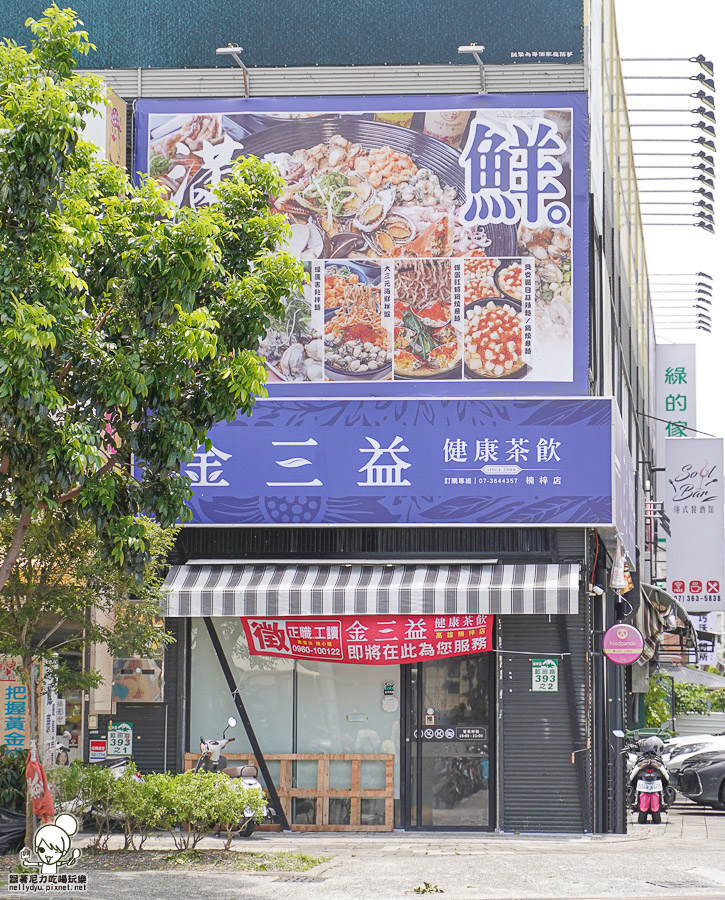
194 860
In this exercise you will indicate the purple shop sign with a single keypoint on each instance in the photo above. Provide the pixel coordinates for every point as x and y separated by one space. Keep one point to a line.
409 462
623 644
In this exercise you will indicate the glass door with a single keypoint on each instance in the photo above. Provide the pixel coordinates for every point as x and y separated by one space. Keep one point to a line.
449 743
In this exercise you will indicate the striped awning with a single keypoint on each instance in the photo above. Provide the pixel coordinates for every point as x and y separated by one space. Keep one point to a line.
211 589
660 613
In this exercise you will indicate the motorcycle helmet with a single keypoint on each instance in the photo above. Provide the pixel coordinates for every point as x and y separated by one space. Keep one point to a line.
652 744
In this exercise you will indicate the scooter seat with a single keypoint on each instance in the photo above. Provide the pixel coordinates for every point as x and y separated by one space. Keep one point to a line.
235 771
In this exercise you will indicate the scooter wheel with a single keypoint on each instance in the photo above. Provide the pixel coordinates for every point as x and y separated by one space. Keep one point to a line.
642 817
657 818
248 829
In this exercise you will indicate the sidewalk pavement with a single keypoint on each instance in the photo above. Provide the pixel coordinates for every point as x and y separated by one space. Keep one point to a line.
681 859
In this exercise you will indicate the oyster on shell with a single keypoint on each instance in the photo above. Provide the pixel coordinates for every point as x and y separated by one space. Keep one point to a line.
372 213
394 231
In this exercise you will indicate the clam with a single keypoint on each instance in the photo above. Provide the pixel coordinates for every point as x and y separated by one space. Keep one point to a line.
343 244
373 213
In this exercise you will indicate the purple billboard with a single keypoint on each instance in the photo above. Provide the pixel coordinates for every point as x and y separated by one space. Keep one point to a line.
409 462
445 239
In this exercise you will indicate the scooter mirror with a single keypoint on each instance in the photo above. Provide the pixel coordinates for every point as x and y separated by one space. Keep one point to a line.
619 734
231 721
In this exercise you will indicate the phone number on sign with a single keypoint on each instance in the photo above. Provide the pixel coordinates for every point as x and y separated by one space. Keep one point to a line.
317 651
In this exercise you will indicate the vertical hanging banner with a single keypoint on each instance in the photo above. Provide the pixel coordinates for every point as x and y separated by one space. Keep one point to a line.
706 623
674 393
694 505
14 705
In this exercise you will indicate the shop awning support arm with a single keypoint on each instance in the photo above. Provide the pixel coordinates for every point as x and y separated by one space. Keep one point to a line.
241 709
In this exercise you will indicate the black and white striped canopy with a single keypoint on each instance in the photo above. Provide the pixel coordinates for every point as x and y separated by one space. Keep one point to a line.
322 590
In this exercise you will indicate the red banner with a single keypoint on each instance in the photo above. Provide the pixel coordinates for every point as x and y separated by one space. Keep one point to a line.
368 640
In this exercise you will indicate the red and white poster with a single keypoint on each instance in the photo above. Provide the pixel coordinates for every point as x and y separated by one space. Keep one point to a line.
369 640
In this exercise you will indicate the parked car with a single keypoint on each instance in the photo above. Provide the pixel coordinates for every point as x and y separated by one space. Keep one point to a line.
702 779
679 756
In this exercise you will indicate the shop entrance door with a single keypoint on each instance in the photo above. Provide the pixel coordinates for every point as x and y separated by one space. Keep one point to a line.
449 743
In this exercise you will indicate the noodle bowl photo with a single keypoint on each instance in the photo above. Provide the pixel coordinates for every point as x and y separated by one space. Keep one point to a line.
426 342
357 344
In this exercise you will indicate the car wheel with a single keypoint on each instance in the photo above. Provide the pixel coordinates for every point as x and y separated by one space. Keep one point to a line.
721 797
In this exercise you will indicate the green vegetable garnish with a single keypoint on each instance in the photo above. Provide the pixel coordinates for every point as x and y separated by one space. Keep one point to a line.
423 342
158 165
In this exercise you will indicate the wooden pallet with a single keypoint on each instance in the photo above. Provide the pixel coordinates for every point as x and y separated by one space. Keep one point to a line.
323 793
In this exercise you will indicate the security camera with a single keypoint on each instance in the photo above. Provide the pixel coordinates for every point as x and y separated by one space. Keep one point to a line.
596 590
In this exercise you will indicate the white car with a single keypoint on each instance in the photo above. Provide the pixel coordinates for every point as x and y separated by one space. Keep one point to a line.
677 756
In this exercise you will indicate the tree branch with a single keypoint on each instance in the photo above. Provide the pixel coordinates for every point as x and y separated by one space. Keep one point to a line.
73 492
99 324
14 550
51 632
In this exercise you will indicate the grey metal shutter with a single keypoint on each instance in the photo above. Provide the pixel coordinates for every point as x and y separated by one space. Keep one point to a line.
151 733
155 731
539 787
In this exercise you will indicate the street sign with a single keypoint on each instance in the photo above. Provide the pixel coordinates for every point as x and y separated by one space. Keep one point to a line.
544 674
120 739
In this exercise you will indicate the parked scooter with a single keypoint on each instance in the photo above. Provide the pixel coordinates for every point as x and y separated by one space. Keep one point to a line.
649 792
212 760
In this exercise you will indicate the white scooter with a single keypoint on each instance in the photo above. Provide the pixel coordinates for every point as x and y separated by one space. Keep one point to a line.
212 760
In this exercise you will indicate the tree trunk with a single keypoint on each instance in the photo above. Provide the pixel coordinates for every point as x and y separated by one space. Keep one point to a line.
29 679
14 549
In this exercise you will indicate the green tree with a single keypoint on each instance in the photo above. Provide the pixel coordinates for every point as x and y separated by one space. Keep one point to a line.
657 701
62 595
127 327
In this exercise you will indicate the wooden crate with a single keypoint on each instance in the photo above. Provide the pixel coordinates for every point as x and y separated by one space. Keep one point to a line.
323 793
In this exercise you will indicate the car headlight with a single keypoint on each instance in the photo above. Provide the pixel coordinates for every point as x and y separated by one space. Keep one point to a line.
686 748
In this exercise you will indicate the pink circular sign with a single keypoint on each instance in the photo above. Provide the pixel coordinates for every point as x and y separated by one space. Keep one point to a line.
623 644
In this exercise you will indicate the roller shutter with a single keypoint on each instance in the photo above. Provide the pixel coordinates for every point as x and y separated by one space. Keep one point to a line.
540 790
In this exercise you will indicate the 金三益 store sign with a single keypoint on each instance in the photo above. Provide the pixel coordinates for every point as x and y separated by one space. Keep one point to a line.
369 640
444 238
413 462
694 505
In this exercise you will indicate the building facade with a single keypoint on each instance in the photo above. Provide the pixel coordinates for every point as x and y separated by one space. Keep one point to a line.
418 521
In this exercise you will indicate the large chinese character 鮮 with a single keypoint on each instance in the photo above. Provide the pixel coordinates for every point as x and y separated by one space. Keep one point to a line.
512 177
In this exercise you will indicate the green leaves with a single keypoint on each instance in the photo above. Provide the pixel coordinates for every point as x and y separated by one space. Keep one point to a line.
127 327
